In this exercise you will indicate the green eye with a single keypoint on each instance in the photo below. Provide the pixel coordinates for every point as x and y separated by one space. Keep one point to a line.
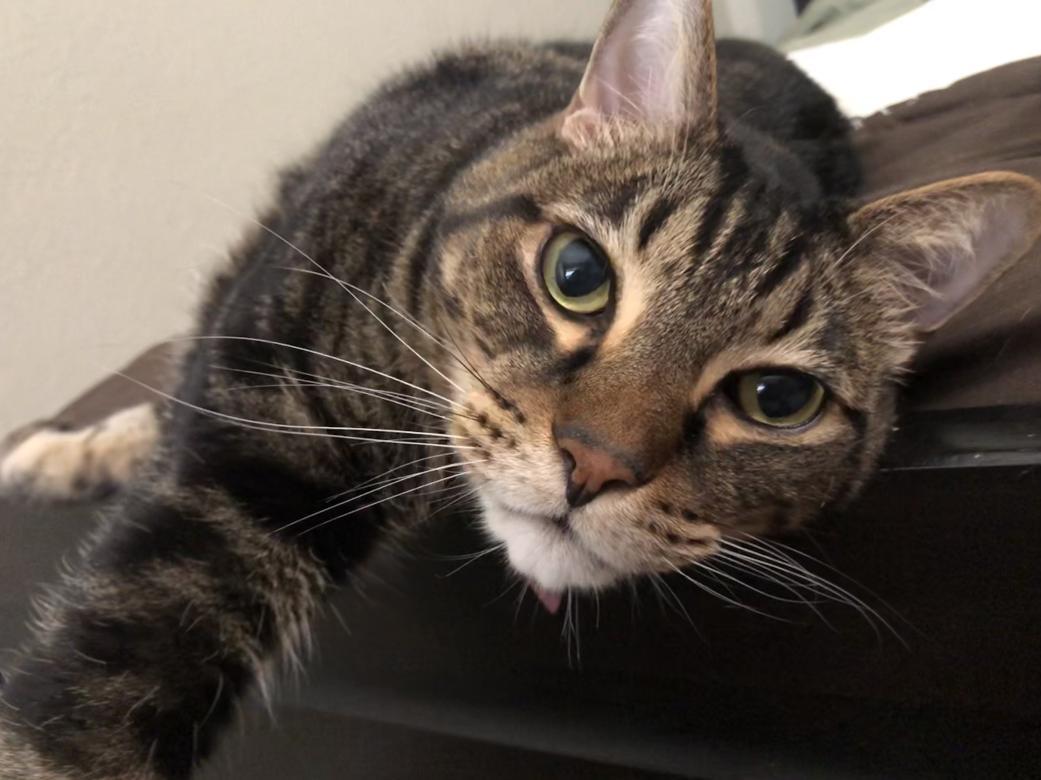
782 399
576 274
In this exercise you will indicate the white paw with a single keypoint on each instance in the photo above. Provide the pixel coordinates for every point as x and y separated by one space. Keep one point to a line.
71 465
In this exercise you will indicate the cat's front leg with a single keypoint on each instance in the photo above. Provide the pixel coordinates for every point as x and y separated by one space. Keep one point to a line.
182 603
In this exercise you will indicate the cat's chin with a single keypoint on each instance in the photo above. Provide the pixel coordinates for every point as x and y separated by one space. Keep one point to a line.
543 551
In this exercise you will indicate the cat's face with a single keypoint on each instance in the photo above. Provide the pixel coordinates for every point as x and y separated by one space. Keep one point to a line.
656 333
661 350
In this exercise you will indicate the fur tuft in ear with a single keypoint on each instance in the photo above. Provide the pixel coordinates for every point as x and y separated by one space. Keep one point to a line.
944 243
654 63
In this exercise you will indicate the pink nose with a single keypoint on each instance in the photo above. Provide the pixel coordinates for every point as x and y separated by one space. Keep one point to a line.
592 470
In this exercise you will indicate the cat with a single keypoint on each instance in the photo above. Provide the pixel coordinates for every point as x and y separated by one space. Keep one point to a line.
627 309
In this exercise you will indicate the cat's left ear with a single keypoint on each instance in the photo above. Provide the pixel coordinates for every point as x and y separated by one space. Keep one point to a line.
941 245
654 63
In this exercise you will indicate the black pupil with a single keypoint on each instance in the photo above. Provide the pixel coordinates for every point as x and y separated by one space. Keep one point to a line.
580 269
783 395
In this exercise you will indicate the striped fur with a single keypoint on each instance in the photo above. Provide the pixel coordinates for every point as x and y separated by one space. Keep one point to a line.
433 197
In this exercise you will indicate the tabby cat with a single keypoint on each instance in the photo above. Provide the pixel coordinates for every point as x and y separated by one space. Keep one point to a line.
631 313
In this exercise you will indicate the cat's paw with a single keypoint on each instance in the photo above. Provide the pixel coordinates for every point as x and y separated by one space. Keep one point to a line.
70 465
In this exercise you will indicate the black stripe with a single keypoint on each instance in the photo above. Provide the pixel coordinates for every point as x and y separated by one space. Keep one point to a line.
732 173
619 200
786 265
693 428
858 420
655 219
833 335
419 261
796 319
576 360
742 247
747 242
156 532
522 207
269 492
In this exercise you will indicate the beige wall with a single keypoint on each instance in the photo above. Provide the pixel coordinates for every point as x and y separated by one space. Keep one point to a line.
120 120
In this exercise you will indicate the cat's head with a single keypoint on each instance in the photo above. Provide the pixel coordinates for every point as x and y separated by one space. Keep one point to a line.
663 349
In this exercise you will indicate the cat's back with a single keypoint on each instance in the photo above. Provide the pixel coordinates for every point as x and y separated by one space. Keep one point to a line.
420 128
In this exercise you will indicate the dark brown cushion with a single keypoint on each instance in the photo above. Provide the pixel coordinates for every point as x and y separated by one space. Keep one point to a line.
990 353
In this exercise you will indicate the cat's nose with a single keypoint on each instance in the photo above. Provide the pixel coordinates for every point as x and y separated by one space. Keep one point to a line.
592 469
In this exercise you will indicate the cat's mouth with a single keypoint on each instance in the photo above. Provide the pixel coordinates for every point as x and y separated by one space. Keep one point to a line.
547 552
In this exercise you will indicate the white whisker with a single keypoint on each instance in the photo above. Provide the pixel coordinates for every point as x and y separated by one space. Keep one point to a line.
465 493
349 289
376 489
334 384
801 576
723 598
344 361
383 474
474 557
260 425
381 501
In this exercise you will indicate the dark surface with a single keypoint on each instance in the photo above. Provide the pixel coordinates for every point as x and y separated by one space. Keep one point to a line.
952 549
297 742
311 745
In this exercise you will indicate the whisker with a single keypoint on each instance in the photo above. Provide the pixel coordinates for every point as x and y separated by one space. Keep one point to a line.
337 385
349 289
317 353
576 628
525 587
426 402
455 351
472 558
800 600
268 427
517 582
376 489
381 501
786 551
721 597
677 605
787 566
354 291
463 496
470 555
788 585
322 271
383 474
655 581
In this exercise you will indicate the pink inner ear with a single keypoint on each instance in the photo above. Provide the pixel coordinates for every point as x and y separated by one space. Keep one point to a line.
646 64
632 72
962 268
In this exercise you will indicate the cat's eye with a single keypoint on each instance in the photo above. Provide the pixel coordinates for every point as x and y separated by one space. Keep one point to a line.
576 273
779 398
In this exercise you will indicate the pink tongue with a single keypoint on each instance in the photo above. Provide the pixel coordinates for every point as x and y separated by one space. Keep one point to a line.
550 599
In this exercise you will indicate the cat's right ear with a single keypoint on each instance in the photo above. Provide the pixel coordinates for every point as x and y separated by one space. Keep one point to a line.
654 63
